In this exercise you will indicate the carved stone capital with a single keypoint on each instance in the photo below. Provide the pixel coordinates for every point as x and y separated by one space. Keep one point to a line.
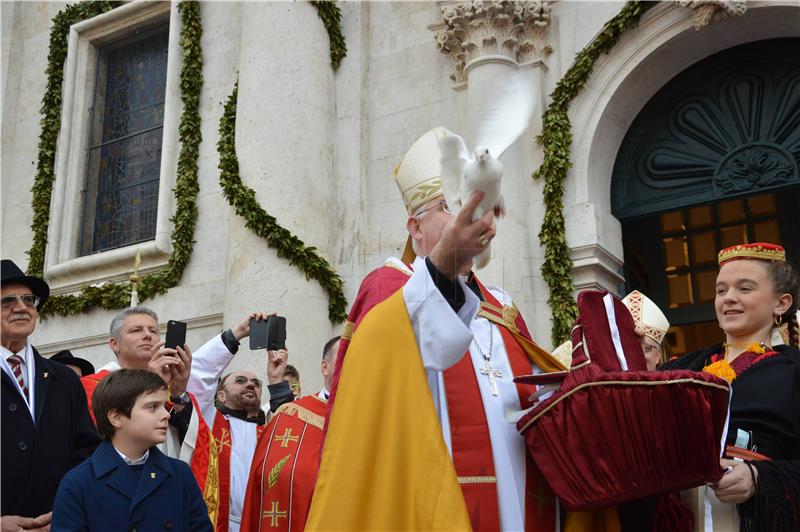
706 11
512 30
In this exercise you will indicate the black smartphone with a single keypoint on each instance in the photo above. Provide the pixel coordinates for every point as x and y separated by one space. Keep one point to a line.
276 332
176 334
258 334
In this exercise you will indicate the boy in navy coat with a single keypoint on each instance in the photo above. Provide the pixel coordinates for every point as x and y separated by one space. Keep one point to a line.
128 484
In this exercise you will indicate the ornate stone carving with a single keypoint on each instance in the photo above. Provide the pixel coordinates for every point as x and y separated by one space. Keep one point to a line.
516 30
705 11
755 165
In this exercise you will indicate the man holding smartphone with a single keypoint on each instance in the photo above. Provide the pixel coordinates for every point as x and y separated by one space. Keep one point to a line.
231 404
135 340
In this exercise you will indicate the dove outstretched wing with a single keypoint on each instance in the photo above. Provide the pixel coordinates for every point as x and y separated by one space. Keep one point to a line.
454 159
507 113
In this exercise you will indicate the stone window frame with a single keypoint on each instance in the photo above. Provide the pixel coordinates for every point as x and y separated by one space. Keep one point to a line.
64 269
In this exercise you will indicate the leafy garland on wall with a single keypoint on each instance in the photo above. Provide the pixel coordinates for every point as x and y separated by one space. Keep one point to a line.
331 16
556 139
116 296
243 199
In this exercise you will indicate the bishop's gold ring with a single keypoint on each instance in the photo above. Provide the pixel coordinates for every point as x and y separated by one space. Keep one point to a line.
483 240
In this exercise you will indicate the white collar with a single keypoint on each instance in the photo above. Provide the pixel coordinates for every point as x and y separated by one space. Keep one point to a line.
323 394
26 354
138 461
30 373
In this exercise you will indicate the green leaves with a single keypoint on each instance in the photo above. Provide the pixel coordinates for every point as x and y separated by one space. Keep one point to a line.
331 16
263 224
117 296
556 140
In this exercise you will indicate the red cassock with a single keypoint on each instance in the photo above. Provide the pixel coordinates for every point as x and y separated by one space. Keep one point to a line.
284 469
614 432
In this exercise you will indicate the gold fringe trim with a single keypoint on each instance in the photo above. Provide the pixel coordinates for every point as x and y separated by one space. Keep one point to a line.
477 480
621 383
348 330
303 414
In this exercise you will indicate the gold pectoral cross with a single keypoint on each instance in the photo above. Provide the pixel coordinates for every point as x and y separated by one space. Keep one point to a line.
492 375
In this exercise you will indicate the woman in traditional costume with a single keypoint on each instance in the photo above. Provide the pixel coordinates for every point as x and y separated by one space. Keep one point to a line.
757 291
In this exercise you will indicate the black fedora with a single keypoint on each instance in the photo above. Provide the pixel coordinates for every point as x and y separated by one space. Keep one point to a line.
11 274
66 357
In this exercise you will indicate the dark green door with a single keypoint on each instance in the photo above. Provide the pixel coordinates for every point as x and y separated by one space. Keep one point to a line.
711 161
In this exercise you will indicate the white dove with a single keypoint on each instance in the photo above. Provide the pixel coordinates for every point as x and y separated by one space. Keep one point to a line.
506 116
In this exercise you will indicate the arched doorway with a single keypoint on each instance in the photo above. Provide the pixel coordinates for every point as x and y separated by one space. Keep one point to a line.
710 161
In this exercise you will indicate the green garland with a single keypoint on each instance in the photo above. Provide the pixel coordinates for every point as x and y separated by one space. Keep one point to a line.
116 296
556 139
331 16
243 200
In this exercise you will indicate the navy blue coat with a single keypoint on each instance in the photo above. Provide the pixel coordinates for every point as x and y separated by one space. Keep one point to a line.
36 455
105 494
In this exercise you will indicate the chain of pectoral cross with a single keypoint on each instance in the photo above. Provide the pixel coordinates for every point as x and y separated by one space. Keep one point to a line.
487 368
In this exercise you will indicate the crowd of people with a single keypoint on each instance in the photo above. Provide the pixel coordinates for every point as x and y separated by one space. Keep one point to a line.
412 428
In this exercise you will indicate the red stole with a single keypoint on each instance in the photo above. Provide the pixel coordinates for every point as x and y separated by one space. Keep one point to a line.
89 383
469 430
284 469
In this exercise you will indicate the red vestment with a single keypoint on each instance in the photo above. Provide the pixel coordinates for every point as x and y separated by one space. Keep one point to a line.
285 467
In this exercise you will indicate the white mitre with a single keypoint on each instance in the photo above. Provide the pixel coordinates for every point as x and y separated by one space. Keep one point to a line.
419 175
647 317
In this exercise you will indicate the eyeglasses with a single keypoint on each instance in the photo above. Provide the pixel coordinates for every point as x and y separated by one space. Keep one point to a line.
243 380
442 204
10 302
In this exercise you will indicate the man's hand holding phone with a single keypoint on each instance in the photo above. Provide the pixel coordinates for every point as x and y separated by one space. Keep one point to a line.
276 365
172 365
242 329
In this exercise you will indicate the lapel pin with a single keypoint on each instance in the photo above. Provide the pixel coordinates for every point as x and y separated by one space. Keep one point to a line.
152 475
45 374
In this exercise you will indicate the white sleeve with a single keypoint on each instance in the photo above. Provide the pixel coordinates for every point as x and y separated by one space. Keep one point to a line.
443 336
208 363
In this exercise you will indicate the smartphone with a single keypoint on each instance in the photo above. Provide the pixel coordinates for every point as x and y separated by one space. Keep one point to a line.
258 334
276 332
176 334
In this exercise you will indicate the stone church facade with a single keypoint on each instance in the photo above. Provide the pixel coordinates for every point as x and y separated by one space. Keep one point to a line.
685 137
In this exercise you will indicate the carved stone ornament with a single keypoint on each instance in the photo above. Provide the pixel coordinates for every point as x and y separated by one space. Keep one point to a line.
754 166
474 29
705 11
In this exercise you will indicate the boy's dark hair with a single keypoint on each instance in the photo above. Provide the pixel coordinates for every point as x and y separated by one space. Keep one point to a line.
119 392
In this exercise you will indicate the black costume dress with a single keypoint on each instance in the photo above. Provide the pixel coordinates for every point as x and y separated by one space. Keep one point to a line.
765 404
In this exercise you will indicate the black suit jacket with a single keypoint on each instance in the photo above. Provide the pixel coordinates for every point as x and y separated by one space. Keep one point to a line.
36 456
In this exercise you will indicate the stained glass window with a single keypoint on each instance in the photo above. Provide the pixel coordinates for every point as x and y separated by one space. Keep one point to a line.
124 160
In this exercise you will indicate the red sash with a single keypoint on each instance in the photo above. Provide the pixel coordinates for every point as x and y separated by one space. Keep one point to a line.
221 450
285 467
472 450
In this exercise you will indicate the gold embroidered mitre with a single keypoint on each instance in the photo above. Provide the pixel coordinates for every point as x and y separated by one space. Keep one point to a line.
419 175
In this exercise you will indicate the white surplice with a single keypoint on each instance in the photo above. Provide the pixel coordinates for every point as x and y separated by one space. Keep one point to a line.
443 336
208 364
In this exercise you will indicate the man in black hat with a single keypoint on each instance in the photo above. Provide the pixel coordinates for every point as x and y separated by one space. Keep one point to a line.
80 366
46 428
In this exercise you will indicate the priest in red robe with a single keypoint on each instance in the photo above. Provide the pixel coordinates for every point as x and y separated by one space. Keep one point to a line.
287 457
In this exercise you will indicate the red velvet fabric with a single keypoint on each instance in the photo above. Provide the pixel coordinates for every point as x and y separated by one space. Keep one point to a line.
609 436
